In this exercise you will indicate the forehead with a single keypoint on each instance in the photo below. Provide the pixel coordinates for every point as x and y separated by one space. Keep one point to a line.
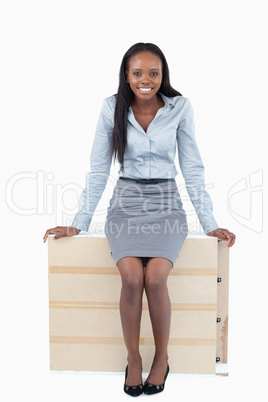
145 60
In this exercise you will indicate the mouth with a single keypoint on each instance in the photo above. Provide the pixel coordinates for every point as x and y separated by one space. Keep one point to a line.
145 90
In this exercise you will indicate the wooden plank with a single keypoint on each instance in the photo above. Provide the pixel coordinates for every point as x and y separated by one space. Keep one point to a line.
95 252
115 306
104 322
96 357
120 341
76 270
106 288
222 302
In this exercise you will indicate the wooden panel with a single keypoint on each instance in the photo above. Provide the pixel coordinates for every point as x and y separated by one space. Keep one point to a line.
85 326
222 303
95 252
112 358
98 323
184 289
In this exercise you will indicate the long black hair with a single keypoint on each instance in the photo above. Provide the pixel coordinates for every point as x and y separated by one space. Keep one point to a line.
125 96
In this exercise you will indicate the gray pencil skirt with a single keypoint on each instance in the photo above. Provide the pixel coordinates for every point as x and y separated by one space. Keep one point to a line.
145 220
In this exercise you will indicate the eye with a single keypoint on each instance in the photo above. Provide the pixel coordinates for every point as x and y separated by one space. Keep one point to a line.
136 73
154 74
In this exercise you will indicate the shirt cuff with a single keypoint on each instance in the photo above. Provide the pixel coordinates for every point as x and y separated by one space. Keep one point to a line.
209 224
81 221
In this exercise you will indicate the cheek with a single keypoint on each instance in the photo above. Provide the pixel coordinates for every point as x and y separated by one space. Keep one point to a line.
159 80
133 82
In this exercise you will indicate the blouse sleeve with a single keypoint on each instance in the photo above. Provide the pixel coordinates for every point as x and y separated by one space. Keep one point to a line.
100 165
193 169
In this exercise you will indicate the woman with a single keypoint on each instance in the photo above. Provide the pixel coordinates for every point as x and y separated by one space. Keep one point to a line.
145 224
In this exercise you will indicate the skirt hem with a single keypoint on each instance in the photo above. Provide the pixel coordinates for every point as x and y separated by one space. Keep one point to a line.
119 256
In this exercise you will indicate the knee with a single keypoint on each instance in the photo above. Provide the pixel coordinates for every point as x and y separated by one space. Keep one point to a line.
133 285
154 285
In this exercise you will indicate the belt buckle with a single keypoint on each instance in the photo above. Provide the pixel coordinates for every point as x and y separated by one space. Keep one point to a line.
151 181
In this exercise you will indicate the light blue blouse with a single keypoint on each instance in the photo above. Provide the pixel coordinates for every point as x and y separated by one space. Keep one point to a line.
148 155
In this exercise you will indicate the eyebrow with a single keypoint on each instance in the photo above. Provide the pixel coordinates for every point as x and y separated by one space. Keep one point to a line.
141 69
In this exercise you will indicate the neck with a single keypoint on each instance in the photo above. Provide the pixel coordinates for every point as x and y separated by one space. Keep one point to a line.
146 105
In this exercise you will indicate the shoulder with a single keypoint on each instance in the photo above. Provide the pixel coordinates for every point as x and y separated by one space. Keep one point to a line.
108 104
107 109
183 106
180 101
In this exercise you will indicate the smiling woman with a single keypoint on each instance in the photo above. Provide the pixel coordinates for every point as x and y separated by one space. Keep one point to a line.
142 126
144 76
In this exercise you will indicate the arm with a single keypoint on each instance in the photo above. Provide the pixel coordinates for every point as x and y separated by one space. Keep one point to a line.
193 169
100 164
193 172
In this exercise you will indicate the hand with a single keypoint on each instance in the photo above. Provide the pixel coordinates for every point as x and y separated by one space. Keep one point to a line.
224 234
64 231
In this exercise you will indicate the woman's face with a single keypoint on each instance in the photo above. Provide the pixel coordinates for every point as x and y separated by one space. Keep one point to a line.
144 75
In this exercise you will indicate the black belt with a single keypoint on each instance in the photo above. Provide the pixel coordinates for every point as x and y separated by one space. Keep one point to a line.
146 181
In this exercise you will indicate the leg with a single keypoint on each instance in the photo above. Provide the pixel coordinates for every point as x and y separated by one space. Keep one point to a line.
132 276
156 274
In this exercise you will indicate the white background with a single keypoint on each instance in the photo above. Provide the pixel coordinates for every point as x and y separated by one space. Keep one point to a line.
59 60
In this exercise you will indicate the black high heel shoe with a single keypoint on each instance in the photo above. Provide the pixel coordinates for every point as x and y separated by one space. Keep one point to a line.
132 390
150 389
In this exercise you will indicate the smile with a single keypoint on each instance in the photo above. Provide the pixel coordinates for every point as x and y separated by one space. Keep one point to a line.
145 89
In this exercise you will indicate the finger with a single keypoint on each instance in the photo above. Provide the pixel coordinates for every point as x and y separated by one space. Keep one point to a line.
58 236
230 241
46 234
49 231
221 236
224 234
227 238
233 240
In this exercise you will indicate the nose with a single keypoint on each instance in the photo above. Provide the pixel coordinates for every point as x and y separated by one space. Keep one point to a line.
145 80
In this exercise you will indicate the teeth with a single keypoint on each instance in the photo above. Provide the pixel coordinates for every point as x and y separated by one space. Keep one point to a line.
145 89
